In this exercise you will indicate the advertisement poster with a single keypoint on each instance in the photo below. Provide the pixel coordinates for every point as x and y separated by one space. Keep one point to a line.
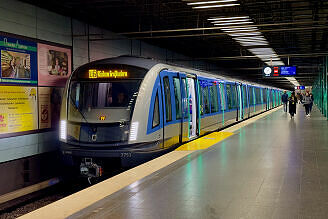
18 61
18 109
49 106
54 65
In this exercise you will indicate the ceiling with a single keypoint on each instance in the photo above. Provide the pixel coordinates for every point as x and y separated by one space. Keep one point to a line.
296 30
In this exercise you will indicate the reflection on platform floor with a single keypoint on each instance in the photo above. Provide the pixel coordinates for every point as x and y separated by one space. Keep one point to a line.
276 167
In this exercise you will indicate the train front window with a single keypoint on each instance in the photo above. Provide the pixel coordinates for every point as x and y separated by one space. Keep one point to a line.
101 98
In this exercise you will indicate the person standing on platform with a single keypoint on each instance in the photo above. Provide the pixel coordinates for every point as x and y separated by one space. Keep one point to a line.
307 101
284 99
292 104
311 104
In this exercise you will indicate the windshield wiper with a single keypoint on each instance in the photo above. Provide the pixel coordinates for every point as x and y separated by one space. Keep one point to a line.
80 111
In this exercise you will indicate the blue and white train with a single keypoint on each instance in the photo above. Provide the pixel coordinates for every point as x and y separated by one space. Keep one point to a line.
136 109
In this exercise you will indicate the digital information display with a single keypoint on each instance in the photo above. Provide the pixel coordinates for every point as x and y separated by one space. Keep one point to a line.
279 71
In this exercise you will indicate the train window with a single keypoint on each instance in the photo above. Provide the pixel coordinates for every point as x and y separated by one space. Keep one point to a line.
229 96
156 112
264 96
185 98
223 100
258 95
177 94
244 97
201 99
207 100
167 95
214 98
234 96
250 94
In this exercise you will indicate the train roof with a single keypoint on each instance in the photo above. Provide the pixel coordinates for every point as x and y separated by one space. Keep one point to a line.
148 63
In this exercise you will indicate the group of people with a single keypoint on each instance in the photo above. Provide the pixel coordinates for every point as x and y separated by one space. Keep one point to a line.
305 99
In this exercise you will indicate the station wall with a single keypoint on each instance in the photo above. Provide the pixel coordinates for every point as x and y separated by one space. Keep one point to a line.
38 24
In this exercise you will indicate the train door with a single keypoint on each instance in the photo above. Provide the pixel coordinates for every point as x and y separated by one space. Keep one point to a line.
192 106
171 112
245 102
185 108
240 102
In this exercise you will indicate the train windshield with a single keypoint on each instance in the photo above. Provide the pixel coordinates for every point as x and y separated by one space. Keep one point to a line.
110 101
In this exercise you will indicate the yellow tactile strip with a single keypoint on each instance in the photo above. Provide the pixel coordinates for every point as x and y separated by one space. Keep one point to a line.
205 141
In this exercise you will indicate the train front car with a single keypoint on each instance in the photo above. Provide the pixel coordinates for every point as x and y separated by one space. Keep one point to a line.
96 115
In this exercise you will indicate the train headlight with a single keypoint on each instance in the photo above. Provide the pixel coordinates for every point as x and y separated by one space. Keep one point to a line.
63 130
133 131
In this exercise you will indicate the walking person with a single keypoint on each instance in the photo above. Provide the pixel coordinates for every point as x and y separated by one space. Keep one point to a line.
307 101
311 104
284 100
292 104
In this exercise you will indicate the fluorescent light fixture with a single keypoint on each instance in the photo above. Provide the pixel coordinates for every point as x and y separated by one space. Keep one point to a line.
252 38
210 2
232 23
238 31
226 18
240 20
214 6
63 130
244 34
253 44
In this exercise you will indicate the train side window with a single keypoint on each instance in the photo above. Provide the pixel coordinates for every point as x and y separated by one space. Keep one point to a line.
250 94
185 101
214 98
156 112
167 95
201 98
206 99
264 96
223 100
177 95
229 96
244 97
234 97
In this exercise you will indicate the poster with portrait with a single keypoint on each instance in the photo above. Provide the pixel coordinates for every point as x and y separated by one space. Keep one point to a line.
18 61
54 65
49 106
18 109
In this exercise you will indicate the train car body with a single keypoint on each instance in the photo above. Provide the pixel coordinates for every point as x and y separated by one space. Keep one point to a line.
136 109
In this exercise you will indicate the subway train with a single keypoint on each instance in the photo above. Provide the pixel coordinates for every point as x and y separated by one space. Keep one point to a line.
134 109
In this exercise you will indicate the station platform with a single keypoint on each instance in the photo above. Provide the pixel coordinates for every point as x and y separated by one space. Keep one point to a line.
272 167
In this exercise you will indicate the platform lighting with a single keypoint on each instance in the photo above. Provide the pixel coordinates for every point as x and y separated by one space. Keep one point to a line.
239 28
63 129
252 41
244 34
240 20
253 44
225 18
238 31
214 6
251 38
134 131
210 2
223 24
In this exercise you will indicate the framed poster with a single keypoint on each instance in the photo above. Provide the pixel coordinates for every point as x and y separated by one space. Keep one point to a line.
18 61
49 106
54 65
18 109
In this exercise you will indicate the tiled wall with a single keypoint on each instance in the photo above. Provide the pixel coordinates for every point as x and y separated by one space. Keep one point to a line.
30 21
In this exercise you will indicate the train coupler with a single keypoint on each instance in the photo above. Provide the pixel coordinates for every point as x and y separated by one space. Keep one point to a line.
90 169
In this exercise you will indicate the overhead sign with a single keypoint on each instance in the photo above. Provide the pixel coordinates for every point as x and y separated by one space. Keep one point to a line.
299 87
279 71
